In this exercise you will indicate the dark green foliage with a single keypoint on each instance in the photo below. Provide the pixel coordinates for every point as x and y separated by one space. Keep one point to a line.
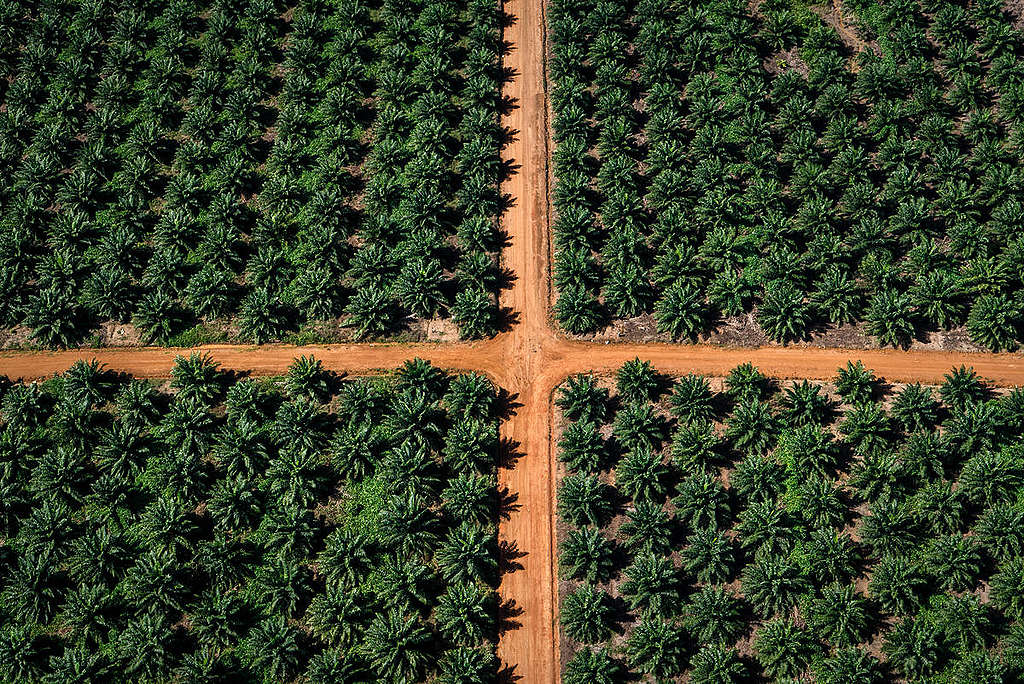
213 165
818 525
125 548
868 182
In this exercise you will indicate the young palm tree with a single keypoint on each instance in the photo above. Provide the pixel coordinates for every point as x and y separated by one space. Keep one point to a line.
580 398
954 561
713 616
652 585
648 528
220 620
642 475
915 408
593 666
783 314
586 615
464 614
849 665
702 502
86 384
696 447
783 649
682 311
656 647
637 381
962 387
692 399
582 448
470 396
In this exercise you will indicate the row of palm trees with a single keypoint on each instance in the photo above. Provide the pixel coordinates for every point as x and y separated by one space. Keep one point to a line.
733 162
812 518
226 527
249 169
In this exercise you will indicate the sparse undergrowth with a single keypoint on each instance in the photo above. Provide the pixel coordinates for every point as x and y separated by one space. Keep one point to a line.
742 528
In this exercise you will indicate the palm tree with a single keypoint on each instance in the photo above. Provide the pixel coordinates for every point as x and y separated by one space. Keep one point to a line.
849 665
994 322
581 447
396 646
415 418
752 426
586 555
702 502
695 447
656 647
855 383
1000 530
745 383
219 620
681 311
716 664
407 526
467 554
307 378
471 498
831 556
641 475
371 311
581 399
954 561
638 426
804 404
1008 587
962 387
464 665
915 408
464 614
765 526
146 647
577 310
866 427
782 648
839 615
837 296
714 616
593 666
346 558
990 478
584 500
914 647
897 585
586 615
773 584
86 384
807 451
274 649
979 668
965 621
757 478
88 613
648 528
652 585
159 316
470 396
692 400
783 314
637 381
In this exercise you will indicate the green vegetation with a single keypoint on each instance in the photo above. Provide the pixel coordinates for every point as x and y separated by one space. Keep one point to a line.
743 529
727 158
228 529
251 165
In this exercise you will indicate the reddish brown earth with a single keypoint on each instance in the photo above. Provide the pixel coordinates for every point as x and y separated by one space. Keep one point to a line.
529 361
